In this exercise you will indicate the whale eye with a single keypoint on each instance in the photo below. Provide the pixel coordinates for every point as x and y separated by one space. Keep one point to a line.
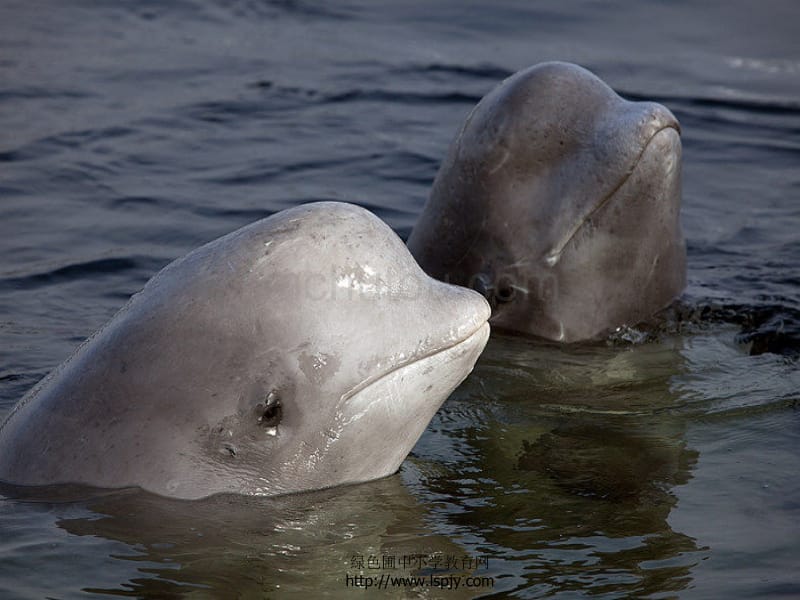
271 412
505 290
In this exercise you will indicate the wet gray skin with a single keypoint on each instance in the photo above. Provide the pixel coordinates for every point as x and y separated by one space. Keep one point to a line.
304 351
559 201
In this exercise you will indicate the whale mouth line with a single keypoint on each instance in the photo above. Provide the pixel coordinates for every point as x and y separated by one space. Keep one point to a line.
552 257
411 360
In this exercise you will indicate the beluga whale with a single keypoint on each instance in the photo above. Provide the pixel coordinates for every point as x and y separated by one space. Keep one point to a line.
303 351
559 201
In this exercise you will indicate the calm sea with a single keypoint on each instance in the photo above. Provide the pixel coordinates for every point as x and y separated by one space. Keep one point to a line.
134 131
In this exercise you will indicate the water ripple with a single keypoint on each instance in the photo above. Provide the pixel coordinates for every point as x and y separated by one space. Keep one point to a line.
89 269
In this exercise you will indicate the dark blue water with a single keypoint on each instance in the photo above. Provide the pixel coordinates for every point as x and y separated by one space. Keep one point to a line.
132 132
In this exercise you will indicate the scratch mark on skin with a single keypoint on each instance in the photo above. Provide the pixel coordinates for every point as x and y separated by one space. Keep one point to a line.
503 160
520 263
520 289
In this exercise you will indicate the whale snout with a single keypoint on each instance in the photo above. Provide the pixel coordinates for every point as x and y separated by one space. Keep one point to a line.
473 307
460 312
666 144
655 119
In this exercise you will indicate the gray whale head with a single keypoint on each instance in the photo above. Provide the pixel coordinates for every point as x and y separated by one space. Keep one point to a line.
559 201
303 351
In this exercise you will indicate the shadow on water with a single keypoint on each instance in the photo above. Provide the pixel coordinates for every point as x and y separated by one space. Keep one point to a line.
303 544
565 460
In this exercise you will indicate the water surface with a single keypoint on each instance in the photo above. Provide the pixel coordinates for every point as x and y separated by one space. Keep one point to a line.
132 132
